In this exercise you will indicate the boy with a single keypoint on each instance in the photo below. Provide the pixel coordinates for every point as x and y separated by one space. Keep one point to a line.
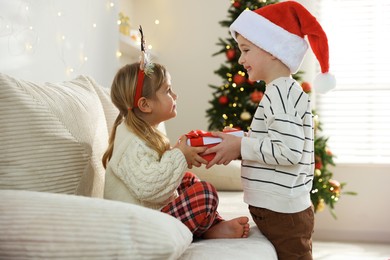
278 153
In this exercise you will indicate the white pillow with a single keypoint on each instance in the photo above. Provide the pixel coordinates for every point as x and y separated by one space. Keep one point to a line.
39 225
53 135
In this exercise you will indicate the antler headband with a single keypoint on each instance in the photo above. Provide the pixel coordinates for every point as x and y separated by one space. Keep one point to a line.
145 68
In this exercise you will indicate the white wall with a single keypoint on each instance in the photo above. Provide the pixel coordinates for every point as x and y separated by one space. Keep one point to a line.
32 46
184 41
364 217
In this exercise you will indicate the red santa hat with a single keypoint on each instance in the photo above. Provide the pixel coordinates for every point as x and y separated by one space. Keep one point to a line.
280 29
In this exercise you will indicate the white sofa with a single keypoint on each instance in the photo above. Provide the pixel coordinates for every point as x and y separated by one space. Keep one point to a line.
52 137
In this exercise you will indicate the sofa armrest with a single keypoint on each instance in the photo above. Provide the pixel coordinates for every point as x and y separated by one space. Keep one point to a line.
46 225
223 177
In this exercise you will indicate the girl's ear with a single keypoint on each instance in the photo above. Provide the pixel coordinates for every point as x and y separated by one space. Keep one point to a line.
144 105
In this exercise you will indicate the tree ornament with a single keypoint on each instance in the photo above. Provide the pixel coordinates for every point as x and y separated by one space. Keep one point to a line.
245 116
256 96
335 186
321 205
316 122
237 4
239 79
230 54
223 100
317 172
318 165
124 25
306 86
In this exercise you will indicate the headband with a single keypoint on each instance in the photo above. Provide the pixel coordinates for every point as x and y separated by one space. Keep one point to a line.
145 67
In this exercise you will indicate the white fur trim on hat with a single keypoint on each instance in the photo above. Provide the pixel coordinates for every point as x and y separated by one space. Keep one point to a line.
287 47
324 82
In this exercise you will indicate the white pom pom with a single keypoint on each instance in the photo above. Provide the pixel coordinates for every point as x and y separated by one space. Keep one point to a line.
324 82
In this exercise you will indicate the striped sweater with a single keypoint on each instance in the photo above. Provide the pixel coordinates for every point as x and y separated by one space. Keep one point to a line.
278 154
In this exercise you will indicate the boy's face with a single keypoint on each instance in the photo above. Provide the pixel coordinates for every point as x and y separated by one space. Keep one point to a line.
255 60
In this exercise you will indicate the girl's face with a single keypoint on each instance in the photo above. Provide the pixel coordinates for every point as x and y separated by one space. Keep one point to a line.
254 59
164 104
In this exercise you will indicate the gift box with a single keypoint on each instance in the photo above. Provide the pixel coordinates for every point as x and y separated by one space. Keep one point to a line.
203 138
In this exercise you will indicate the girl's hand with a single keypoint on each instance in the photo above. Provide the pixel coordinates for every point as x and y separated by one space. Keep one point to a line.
191 153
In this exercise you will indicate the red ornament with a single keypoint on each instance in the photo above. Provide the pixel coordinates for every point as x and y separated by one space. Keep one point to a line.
230 54
318 165
256 96
237 4
239 79
306 86
223 100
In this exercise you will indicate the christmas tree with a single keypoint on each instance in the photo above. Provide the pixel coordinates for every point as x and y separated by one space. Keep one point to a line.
235 101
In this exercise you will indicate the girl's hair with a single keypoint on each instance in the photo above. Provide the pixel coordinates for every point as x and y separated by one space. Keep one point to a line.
122 95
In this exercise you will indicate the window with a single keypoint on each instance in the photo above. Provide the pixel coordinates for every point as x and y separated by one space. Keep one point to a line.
356 115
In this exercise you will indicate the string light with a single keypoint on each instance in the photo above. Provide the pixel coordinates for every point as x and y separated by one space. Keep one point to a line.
24 40
69 71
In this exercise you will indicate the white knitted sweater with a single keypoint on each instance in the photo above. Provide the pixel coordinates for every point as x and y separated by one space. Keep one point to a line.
136 175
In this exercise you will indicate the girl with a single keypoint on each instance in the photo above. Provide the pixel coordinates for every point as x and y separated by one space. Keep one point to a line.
143 169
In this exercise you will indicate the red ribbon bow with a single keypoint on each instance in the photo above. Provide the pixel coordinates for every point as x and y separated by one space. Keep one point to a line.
196 137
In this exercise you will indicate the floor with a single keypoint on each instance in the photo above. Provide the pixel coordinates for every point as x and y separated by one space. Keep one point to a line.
230 206
350 251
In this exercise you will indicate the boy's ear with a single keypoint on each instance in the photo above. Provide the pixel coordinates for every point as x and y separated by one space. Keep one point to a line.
144 105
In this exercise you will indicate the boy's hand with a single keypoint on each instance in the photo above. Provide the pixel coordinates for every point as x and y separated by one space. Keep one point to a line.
191 153
229 149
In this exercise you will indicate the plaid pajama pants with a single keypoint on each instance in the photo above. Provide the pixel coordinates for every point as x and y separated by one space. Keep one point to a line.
196 205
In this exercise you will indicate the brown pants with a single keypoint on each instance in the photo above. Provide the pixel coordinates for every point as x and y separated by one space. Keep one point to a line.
290 233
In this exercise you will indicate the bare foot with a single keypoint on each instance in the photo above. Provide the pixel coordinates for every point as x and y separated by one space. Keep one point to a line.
234 228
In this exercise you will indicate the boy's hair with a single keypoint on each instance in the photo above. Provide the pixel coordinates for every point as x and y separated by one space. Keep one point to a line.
122 95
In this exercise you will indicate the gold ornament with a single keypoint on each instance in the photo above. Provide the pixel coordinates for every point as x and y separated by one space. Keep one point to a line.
124 26
245 116
335 186
316 123
320 205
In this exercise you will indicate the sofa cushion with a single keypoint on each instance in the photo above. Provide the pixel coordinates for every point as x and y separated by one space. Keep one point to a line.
40 225
223 177
53 135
